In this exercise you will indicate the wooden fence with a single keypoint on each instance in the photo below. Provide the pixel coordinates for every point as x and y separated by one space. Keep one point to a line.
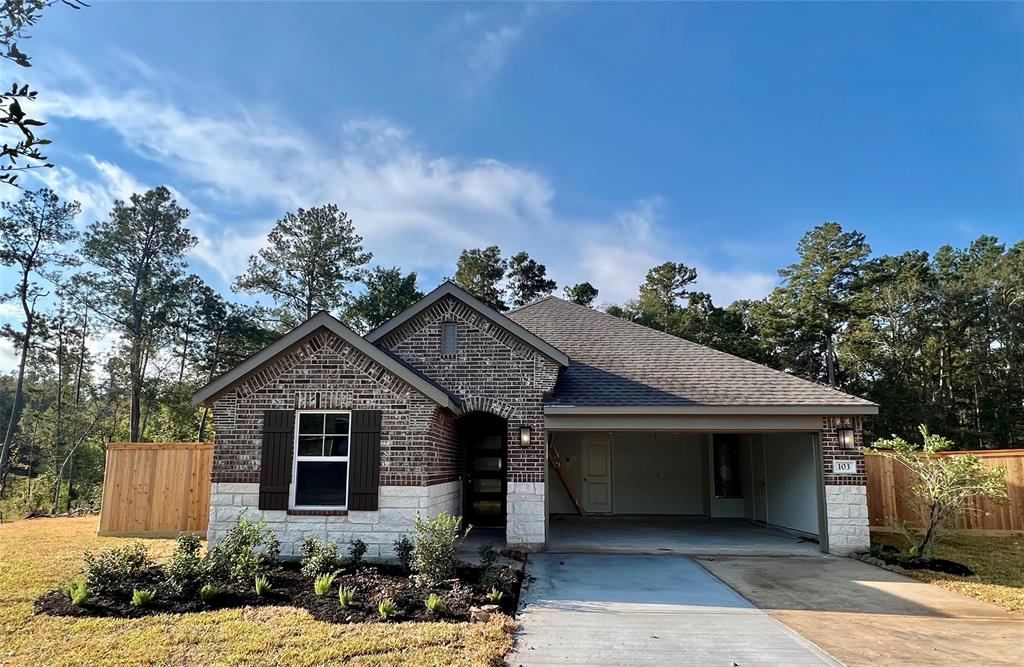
888 482
156 489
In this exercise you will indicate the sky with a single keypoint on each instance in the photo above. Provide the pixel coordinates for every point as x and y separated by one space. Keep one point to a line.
603 139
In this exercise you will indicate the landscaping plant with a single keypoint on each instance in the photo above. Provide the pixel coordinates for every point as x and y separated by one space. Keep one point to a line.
945 484
494 596
356 551
248 549
184 569
346 596
323 584
78 592
141 598
437 540
318 558
119 569
434 603
207 593
403 551
262 585
387 609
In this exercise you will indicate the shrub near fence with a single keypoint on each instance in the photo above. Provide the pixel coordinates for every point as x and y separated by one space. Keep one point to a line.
888 483
156 489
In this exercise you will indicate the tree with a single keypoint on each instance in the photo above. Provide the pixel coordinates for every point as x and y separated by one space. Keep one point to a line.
139 251
582 294
665 286
527 280
945 484
310 260
387 294
32 233
818 290
480 273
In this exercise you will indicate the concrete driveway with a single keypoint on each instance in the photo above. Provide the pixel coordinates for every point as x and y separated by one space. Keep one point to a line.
611 609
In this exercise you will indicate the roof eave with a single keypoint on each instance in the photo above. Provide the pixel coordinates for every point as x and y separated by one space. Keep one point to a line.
448 288
210 391
815 410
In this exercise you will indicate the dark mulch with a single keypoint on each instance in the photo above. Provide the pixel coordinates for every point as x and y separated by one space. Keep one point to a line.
893 556
371 584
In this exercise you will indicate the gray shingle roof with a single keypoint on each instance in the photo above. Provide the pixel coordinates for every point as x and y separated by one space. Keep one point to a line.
617 362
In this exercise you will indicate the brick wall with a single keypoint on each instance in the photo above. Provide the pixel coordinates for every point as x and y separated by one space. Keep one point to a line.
493 371
324 372
830 450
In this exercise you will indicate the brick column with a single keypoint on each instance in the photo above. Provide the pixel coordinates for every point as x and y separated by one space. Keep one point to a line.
846 494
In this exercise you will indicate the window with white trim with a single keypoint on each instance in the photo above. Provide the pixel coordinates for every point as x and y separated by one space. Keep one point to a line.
320 464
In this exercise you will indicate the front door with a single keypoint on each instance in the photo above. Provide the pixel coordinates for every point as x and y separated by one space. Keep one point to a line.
485 471
597 475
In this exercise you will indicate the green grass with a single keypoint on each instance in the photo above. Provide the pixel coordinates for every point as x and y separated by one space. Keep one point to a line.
38 555
998 563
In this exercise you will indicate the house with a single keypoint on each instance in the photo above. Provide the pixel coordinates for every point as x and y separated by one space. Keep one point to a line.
515 420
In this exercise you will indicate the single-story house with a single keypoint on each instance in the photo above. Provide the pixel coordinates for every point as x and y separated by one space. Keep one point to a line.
515 419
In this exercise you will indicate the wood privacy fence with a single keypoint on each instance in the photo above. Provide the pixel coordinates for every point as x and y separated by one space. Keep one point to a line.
156 489
889 482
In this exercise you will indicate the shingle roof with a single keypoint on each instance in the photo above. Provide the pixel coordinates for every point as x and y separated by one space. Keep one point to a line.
614 362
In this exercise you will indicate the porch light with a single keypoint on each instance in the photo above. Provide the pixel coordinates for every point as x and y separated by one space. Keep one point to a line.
524 436
845 438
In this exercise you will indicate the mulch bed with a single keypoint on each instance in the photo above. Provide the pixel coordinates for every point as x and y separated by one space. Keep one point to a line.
290 588
892 556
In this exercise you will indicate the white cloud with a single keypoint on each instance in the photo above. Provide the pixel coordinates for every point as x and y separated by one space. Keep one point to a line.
8 356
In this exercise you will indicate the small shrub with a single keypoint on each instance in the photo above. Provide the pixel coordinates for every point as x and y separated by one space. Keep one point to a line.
503 578
877 550
207 593
356 551
494 597
437 540
323 584
78 592
120 569
346 596
403 551
249 549
262 585
141 598
387 609
184 569
488 556
318 558
434 603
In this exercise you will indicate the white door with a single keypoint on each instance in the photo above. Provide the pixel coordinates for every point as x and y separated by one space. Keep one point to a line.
597 475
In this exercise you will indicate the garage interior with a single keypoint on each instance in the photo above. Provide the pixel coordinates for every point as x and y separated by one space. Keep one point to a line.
684 492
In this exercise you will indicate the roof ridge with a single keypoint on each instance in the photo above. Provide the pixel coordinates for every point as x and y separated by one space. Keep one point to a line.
533 303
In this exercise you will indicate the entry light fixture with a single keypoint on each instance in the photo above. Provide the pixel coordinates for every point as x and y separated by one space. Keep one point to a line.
845 438
524 435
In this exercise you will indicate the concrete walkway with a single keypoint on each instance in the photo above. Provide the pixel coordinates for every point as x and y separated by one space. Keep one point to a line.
866 616
606 609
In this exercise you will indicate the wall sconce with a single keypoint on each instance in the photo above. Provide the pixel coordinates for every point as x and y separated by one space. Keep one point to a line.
524 435
845 438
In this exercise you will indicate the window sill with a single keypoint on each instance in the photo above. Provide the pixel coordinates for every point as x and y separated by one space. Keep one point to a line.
294 512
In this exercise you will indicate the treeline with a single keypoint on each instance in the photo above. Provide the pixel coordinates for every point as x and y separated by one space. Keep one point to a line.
114 333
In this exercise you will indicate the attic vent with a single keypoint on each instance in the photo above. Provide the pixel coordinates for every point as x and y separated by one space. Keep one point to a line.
449 339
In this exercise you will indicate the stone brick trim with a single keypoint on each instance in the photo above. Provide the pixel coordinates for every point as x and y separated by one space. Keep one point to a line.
830 450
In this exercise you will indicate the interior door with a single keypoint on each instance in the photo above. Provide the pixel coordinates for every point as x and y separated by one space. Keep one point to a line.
597 475
485 480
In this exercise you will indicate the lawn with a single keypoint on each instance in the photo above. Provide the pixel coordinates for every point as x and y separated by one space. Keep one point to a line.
998 563
40 554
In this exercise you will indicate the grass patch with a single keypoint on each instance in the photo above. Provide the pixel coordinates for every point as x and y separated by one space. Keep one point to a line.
42 554
998 563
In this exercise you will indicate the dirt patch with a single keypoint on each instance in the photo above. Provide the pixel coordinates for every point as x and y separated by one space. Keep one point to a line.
371 583
892 556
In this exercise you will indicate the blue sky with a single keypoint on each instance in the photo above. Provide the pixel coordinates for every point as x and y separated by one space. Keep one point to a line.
602 138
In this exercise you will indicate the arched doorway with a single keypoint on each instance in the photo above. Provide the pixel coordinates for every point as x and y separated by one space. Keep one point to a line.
484 438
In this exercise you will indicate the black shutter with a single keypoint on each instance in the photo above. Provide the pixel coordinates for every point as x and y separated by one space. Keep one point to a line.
364 460
276 460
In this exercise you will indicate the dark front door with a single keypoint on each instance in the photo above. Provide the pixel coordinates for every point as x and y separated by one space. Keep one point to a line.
485 439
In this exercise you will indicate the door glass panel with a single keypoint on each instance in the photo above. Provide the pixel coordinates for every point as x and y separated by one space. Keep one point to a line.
487 507
490 442
311 445
311 423
487 463
487 485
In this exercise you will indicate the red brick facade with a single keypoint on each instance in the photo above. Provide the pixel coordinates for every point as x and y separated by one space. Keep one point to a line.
493 371
830 449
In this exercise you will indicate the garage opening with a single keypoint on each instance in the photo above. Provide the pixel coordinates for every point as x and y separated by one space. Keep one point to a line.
684 492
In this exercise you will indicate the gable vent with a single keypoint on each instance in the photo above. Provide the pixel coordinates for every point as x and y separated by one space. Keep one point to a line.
449 339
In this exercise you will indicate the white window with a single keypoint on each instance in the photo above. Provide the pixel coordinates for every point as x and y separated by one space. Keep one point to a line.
449 339
320 466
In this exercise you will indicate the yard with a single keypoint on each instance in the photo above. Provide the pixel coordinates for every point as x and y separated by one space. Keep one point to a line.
41 554
998 562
